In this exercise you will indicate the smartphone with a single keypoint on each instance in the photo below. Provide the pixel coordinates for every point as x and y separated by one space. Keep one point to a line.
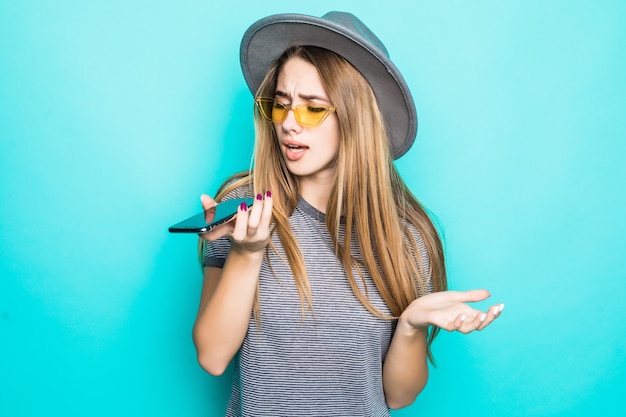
208 219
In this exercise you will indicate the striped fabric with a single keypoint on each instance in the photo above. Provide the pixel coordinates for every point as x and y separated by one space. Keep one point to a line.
328 363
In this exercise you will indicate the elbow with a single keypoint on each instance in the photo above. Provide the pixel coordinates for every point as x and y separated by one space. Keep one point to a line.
211 365
398 403
209 360
403 398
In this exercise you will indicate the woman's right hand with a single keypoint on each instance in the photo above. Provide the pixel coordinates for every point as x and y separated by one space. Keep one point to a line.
249 230
229 293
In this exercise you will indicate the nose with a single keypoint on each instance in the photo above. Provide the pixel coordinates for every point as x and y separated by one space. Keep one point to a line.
290 123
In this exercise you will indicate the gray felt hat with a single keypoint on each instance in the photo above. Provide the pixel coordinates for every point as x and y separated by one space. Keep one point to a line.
344 34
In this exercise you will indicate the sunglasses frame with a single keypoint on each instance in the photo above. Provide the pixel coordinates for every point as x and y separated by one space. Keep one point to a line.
261 101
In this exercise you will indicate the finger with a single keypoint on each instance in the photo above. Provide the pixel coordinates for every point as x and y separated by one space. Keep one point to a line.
209 215
208 205
207 202
483 319
472 322
456 324
470 296
491 315
240 230
266 215
255 214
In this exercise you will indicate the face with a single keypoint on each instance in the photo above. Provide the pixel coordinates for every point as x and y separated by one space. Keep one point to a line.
309 152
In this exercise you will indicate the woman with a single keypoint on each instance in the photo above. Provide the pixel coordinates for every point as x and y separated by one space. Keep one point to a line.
325 289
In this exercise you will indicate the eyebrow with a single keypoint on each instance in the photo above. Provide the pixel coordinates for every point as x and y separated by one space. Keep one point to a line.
308 97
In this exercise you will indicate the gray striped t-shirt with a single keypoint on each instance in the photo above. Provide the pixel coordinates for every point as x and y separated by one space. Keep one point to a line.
330 362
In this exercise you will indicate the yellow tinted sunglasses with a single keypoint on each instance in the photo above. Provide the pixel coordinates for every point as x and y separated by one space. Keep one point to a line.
308 114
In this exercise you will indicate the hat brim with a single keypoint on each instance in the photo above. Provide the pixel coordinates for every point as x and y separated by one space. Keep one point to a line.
269 37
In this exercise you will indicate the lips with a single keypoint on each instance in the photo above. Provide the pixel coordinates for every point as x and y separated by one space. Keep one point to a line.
294 150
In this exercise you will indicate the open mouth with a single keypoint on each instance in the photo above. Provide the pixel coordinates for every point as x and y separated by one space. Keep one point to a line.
294 152
294 148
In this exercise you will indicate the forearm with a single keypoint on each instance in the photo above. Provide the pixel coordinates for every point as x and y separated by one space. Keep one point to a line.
405 371
224 313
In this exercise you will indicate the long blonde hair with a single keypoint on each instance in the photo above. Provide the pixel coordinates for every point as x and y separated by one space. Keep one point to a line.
369 194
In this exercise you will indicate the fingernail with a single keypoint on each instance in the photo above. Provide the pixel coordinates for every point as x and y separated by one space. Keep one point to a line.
462 317
483 317
243 207
259 197
496 309
268 194
501 307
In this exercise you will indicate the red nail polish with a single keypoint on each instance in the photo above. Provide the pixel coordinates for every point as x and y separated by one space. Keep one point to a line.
243 207
259 197
268 193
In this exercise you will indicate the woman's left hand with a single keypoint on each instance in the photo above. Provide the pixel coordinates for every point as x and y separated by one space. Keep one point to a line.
449 310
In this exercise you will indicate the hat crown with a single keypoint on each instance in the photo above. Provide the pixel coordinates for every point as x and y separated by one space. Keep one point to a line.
353 24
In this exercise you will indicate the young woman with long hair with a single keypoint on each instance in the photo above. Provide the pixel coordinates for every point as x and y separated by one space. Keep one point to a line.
328 291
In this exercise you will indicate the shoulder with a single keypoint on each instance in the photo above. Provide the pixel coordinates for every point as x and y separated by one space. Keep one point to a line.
414 242
412 233
236 186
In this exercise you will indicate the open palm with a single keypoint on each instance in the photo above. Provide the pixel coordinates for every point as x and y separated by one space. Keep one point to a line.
450 310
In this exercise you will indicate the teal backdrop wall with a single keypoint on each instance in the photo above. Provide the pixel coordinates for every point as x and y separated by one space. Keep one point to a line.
115 116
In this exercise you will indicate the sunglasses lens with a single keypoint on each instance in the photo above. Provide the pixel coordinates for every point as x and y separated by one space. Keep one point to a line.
265 108
279 112
306 114
310 115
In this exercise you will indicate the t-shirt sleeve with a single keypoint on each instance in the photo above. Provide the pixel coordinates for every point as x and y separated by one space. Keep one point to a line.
215 252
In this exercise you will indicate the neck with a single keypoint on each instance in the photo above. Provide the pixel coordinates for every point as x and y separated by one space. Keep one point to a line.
316 191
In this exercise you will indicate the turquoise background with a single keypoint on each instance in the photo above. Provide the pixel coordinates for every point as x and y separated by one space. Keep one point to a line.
115 116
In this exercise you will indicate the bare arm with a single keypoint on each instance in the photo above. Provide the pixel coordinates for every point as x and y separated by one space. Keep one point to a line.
405 371
228 294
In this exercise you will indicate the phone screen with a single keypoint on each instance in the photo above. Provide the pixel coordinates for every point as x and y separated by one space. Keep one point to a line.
208 219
